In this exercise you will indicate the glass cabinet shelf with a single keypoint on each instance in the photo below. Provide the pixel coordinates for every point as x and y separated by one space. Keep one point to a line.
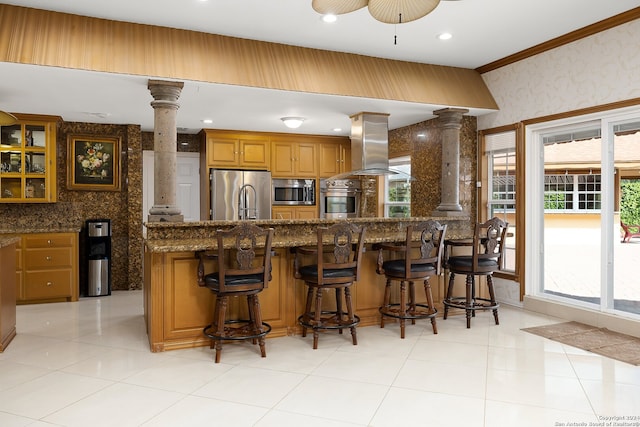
27 160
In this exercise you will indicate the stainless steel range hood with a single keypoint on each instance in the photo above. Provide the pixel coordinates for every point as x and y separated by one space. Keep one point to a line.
369 146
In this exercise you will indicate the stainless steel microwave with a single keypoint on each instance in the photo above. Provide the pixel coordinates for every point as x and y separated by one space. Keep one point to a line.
294 192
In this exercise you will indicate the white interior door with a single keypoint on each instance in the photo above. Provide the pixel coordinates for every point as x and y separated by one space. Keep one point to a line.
187 184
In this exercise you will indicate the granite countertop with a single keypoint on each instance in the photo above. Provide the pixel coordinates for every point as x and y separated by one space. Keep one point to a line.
8 240
31 230
196 236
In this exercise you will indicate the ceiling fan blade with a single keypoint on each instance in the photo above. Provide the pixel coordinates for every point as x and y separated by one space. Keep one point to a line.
389 11
7 119
337 7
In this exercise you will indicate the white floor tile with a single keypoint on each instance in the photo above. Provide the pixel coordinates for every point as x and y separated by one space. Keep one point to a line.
253 386
375 368
178 374
275 418
121 405
537 390
461 380
413 407
339 400
501 414
47 394
12 374
193 411
92 357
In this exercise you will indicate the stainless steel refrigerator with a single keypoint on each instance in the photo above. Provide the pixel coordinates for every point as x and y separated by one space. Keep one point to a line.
240 195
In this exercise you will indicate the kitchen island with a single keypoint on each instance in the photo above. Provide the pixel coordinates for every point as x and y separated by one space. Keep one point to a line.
7 290
176 308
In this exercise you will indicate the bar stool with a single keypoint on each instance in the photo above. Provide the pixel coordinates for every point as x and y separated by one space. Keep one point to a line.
338 256
246 272
421 258
487 251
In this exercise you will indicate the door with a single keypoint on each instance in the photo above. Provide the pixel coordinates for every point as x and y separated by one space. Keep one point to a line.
187 184
585 184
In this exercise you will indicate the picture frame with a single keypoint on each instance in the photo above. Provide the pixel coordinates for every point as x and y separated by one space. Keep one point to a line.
93 163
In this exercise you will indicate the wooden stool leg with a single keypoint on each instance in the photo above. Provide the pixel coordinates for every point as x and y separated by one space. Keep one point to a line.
316 317
387 300
347 297
221 302
492 295
257 323
412 301
307 308
448 296
403 306
469 303
427 291
339 308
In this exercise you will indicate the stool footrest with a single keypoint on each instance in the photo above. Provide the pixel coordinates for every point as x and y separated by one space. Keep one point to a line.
328 320
243 330
476 303
421 311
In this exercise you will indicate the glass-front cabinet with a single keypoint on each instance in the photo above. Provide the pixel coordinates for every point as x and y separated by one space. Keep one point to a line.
28 160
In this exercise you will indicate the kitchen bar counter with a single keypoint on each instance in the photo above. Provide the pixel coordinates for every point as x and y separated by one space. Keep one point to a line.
196 236
176 309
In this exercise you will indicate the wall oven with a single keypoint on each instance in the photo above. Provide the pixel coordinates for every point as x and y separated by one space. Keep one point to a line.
340 198
294 192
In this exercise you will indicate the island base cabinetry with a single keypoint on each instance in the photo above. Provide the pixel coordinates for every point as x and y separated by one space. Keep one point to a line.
7 294
176 309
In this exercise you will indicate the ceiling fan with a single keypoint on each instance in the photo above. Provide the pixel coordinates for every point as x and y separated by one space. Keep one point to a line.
7 119
387 11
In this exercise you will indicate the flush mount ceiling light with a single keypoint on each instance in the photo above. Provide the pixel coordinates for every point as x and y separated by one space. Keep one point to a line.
292 122
387 11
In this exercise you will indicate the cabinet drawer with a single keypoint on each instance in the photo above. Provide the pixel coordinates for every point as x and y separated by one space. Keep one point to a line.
48 284
47 258
48 241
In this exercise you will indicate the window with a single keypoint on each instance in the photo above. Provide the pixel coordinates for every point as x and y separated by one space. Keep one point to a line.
572 193
397 202
498 179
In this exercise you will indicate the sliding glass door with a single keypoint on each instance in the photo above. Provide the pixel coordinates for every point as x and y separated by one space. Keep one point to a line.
585 194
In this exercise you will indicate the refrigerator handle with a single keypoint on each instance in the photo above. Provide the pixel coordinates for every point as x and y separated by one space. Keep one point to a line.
245 211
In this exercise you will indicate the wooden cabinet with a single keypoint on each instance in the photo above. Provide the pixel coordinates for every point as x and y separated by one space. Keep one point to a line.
293 159
28 160
228 150
48 265
294 212
7 292
176 308
333 159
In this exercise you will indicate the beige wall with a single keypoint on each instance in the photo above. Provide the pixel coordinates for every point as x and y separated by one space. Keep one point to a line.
596 70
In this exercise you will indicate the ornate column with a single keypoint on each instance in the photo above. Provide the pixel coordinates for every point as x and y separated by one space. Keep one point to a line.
165 108
450 121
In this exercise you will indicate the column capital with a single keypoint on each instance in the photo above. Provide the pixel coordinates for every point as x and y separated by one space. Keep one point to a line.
450 117
163 90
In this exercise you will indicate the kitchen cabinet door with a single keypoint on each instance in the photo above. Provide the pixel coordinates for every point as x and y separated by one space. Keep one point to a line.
293 159
28 160
237 151
333 159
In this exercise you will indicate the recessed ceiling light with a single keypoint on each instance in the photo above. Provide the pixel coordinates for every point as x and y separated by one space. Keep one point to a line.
444 36
337 129
329 18
207 121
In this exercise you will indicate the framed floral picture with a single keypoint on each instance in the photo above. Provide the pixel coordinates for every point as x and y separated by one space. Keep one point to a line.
93 163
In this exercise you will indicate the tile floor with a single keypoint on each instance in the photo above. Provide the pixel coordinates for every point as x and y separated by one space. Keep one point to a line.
88 364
